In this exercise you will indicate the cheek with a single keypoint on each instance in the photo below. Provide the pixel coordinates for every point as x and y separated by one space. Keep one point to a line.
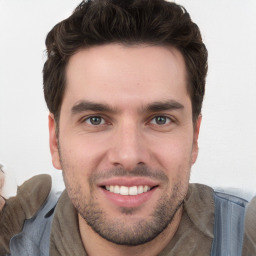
174 154
75 174
82 153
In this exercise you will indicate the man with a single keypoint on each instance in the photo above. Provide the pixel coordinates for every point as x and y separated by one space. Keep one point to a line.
124 83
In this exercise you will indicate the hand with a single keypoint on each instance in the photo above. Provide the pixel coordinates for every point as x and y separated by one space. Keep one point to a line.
2 201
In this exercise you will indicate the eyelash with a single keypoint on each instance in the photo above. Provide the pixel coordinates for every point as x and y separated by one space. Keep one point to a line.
95 116
167 119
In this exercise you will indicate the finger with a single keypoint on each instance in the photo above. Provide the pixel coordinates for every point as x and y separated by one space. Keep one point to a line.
2 178
2 203
8 185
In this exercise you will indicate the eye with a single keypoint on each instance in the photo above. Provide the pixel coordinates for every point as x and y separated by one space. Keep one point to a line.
161 120
95 120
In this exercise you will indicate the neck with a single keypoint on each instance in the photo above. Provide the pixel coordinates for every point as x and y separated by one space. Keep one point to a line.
94 244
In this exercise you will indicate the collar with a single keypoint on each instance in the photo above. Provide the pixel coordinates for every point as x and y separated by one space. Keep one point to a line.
65 238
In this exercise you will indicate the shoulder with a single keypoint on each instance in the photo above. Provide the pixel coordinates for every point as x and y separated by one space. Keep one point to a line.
35 199
229 212
35 236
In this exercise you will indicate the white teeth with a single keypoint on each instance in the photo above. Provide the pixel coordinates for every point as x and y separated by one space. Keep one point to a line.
140 189
133 191
146 188
116 189
125 191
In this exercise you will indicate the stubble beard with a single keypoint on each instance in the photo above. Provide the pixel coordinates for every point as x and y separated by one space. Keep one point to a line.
122 232
119 230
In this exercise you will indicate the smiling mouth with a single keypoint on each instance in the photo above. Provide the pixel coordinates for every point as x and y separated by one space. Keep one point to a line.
128 191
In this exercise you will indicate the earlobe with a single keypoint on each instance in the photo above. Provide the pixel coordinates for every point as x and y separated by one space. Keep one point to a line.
53 141
195 138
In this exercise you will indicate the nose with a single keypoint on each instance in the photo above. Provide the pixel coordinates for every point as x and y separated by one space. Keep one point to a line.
128 146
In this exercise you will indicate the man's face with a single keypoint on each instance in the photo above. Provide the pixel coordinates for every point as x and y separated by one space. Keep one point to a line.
126 139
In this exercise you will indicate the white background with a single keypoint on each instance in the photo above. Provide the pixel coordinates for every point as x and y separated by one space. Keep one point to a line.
227 141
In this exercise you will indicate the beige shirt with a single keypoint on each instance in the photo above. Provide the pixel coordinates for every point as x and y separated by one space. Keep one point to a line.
193 238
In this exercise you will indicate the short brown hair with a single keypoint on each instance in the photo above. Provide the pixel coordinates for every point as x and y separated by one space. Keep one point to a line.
98 22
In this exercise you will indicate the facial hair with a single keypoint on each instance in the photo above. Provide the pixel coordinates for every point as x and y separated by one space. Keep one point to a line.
118 230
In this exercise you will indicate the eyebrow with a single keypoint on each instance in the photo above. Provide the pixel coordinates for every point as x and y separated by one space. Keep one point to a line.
163 106
83 106
91 106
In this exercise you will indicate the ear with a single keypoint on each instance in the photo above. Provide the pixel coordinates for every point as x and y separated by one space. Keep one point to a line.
195 138
53 140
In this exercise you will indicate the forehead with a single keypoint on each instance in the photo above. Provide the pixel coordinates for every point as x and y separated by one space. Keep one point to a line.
114 72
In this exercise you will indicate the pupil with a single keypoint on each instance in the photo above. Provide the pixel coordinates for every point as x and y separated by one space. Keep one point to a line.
96 120
161 120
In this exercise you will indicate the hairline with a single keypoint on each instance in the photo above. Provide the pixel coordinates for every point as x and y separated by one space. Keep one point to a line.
126 44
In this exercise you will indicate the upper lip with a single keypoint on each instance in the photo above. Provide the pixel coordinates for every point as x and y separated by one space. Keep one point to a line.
129 182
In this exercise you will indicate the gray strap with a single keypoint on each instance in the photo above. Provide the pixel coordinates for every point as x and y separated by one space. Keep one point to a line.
34 240
229 225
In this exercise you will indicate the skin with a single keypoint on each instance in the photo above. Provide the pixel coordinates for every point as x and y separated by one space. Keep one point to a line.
2 201
144 134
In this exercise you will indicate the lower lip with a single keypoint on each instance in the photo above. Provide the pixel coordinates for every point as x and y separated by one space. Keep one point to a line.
128 201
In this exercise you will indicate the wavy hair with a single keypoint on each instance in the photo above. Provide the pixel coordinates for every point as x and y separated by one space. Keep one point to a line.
99 22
